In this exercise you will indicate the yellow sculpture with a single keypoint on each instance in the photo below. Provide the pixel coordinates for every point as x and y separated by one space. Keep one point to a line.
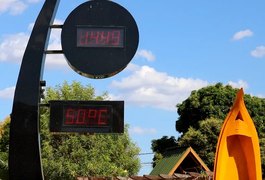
237 154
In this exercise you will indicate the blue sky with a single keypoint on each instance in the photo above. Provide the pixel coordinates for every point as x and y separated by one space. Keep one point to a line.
184 46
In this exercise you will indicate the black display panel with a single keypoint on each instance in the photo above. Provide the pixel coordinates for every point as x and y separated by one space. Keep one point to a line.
99 39
87 116
112 37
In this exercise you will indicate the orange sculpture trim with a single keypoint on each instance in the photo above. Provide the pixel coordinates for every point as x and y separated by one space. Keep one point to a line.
237 154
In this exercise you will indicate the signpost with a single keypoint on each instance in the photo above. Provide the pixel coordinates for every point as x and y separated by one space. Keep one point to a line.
99 38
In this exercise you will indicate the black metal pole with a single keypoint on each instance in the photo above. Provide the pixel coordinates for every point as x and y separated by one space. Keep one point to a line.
24 148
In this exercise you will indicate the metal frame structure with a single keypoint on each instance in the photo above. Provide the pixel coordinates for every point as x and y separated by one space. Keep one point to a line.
24 147
24 143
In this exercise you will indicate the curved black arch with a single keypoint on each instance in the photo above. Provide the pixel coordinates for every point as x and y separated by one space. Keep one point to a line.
24 144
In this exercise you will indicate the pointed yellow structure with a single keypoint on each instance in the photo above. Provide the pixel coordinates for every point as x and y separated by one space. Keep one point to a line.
237 154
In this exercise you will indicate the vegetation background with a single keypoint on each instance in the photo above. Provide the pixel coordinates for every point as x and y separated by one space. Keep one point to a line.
201 116
200 119
66 156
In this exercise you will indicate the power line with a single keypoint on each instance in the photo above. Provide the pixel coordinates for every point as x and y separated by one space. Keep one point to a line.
147 163
140 154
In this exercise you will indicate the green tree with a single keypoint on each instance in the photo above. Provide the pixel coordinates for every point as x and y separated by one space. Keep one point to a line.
201 116
4 147
159 147
203 140
209 102
215 102
65 156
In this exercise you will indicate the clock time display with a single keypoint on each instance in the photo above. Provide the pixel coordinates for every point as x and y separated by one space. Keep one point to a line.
100 37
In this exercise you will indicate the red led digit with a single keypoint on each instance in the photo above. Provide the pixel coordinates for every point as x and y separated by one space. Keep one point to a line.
100 37
93 38
115 38
104 37
87 116
83 36
92 116
81 116
70 116
102 118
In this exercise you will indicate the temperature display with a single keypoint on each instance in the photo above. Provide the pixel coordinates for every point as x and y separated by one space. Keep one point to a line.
100 37
87 116
93 116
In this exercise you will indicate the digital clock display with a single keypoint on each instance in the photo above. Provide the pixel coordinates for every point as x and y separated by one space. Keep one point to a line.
87 116
112 37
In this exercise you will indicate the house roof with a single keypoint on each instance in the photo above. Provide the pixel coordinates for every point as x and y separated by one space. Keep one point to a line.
175 176
174 159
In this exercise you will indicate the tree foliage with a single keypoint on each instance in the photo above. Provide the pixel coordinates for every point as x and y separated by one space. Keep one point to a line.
201 116
209 102
4 147
159 147
66 156
203 140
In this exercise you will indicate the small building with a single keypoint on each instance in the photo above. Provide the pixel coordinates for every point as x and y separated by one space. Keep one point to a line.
180 161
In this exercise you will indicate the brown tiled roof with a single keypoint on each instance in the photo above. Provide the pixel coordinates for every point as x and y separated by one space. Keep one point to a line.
175 176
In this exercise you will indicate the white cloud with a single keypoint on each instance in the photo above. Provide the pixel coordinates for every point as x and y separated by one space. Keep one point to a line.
132 67
33 1
148 55
7 93
142 131
242 34
13 46
55 40
15 7
259 52
148 87
239 84
56 61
